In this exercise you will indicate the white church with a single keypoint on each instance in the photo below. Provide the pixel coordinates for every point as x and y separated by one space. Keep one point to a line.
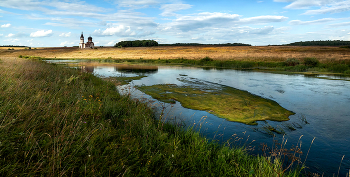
89 44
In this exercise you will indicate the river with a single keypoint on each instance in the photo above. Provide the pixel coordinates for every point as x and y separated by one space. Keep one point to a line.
321 105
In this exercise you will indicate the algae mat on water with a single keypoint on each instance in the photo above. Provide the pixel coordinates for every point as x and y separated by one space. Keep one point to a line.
222 101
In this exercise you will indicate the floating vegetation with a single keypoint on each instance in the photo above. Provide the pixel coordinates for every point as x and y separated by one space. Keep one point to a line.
222 101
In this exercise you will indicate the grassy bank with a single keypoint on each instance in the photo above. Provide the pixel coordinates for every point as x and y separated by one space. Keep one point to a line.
302 66
56 121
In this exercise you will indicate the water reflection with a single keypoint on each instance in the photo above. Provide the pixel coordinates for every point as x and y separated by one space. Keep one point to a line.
136 69
88 69
321 107
92 66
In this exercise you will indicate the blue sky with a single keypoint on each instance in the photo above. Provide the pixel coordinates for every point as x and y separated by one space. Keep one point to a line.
54 23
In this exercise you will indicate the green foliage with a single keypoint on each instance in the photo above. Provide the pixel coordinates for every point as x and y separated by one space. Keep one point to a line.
311 62
339 68
205 60
137 43
291 62
321 43
297 68
198 44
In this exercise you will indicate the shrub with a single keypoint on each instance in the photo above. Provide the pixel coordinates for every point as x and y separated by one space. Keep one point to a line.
20 56
298 68
206 59
311 62
291 62
340 68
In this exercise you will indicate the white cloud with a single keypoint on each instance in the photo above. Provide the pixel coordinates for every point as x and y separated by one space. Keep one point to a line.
41 33
137 3
6 25
11 40
10 35
323 20
65 34
336 7
264 19
169 9
66 43
124 31
56 6
203 20
112 31
217 20
264 30
326 6
340 24
111 43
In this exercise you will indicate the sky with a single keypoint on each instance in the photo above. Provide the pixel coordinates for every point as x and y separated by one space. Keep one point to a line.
58 23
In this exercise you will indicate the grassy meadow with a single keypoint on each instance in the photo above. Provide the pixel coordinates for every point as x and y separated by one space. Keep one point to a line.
57 121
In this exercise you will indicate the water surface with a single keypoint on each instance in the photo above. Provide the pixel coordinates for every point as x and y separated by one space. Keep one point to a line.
321 106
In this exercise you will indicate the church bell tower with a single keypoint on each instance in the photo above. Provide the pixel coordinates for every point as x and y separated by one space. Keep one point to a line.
81 44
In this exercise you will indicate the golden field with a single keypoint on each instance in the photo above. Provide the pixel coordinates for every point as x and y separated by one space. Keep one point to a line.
247 53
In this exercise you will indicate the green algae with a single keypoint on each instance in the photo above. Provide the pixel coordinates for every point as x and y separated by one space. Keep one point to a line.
223 101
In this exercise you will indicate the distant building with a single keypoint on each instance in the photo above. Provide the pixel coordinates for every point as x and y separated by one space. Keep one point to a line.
89 44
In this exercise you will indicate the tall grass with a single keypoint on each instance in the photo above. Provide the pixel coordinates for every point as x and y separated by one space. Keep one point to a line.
56 121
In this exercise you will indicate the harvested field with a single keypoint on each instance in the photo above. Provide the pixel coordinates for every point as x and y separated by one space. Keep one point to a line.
246 53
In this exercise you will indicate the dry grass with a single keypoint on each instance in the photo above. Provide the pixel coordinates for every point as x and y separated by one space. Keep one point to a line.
246 53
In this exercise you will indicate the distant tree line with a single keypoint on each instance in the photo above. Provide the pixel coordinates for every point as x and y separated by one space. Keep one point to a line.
13 46
320 43
137 43
198 44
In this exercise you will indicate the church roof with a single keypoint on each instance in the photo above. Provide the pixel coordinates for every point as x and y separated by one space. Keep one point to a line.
82 36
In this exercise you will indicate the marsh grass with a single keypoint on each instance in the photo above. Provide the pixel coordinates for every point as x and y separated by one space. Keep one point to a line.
288 157
56 121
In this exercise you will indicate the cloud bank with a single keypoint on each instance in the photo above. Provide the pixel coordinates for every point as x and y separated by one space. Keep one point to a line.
41 33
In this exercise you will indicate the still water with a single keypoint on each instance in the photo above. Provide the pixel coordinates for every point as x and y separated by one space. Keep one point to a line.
322 107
